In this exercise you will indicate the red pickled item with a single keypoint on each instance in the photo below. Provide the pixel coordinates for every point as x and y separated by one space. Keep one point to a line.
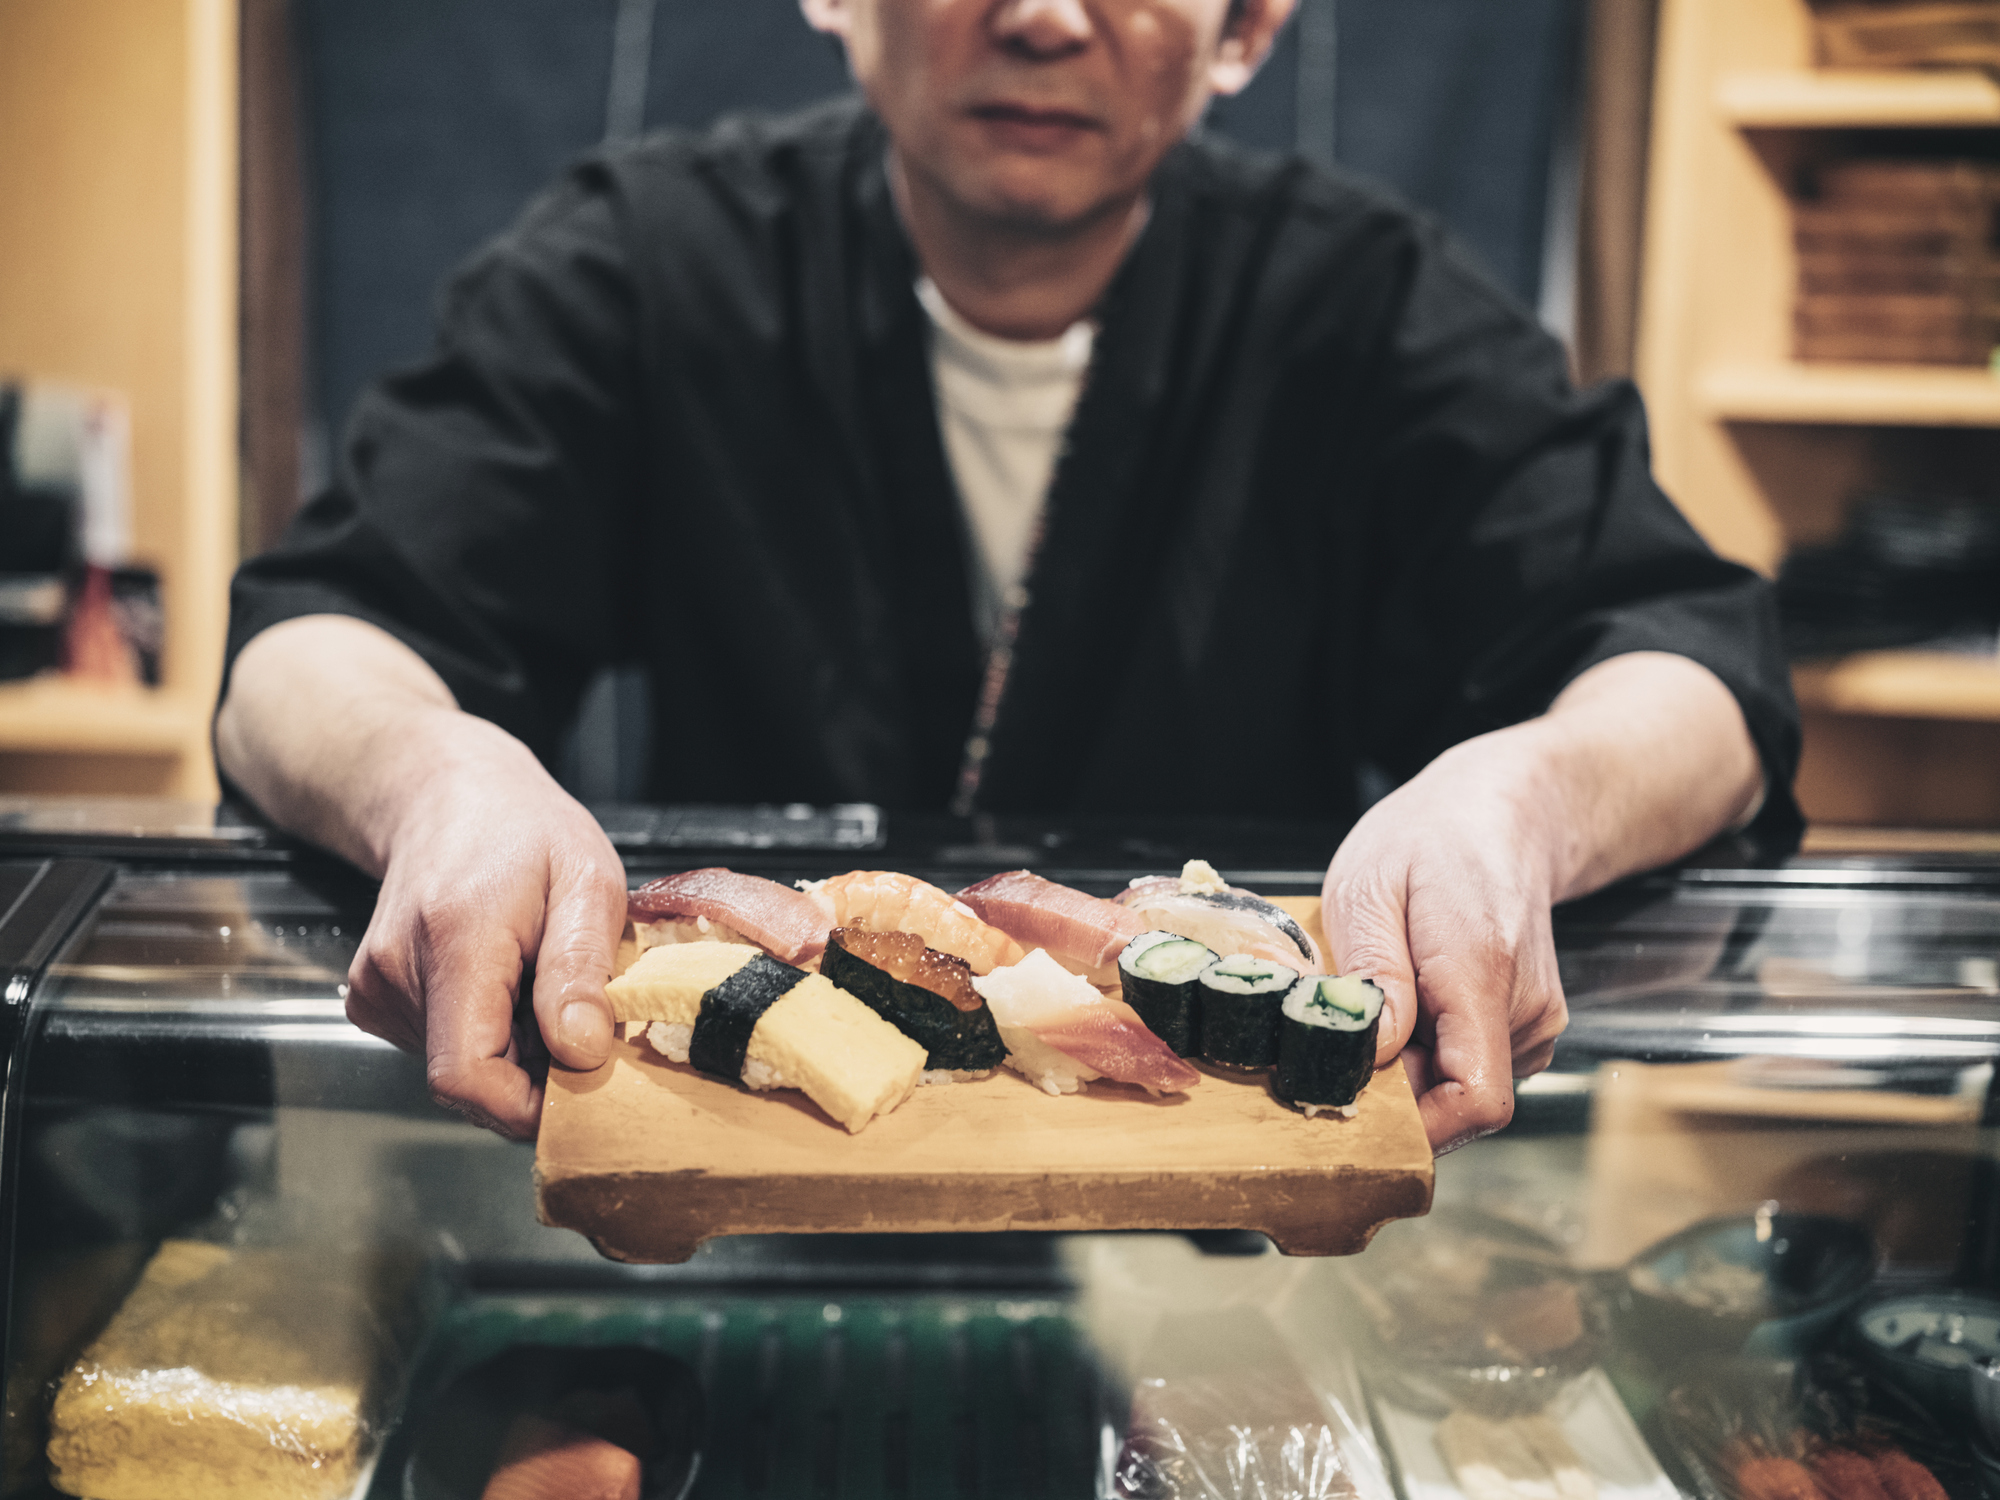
1769 1478
545 1459
1904 1478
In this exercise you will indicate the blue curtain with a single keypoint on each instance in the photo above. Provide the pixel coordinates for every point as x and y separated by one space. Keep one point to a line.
430 122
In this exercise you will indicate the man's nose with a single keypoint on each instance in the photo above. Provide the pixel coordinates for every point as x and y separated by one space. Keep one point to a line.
1042 28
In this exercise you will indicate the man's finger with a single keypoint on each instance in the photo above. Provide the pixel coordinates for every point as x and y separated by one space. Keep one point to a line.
469 975
376 1003
1533 1061
1471 1064
586 915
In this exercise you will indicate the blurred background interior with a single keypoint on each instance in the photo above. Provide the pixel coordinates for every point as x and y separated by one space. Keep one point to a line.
218 218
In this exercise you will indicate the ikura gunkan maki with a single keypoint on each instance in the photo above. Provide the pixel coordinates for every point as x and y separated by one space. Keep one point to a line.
925 994
1326 1045
1240 1001
1160 973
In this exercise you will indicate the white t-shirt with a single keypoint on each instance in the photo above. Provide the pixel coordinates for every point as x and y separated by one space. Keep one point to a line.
1003 407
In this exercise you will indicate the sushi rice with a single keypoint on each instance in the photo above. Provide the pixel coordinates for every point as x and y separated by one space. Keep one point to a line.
673 1041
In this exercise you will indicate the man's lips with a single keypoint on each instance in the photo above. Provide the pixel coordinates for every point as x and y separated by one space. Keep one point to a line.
1034 124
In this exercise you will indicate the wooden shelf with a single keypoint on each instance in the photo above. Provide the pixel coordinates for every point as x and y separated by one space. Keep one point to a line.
55 714
1837 97
1831 838
1766 453
1868 395
1903 685
118 272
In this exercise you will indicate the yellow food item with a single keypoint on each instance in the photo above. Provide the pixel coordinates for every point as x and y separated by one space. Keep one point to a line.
815 1037
226 1373
851 1062
666 984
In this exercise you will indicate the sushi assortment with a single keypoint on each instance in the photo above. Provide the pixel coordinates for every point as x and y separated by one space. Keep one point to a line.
858 988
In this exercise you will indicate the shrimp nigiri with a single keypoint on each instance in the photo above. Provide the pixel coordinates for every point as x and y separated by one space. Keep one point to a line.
883 901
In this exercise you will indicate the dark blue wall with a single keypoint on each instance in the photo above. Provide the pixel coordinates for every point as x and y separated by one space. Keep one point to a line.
430 122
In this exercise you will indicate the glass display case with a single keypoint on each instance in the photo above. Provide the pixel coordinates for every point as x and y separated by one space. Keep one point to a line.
1739 1242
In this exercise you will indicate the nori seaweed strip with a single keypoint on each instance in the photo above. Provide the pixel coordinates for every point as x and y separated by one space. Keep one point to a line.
731 1011
952 1038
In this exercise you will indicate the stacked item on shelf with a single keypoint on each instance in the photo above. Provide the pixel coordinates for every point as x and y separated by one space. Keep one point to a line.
69 596
1904 572
38 549
1907 33
1898 263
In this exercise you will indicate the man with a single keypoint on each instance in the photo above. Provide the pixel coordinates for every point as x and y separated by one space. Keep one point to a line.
775 411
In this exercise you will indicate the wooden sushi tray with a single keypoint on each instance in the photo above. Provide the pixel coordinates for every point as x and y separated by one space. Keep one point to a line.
648 1158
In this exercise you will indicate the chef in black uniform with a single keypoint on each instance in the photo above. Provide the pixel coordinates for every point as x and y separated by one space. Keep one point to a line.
993 442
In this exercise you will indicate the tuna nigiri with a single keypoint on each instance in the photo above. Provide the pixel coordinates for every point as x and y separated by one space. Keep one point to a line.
1061 1032
884 901
1085 934
718 905
1197 905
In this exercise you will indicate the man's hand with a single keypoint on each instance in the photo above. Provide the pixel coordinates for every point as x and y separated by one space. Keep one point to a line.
1442 891
492 867
1442 895
486 864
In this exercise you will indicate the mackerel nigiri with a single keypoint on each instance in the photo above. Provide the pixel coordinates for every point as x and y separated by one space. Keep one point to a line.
1061 1032
1085 934
1230 920
721 905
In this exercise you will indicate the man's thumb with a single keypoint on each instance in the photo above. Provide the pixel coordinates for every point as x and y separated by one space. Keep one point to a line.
579 939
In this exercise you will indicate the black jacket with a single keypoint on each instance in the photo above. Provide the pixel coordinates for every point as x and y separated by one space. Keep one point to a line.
1328 498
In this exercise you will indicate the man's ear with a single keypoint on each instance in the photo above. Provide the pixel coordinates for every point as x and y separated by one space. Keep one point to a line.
1252 27
830 16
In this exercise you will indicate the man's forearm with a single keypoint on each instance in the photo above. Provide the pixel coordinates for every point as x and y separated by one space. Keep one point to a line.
1641 759
332 726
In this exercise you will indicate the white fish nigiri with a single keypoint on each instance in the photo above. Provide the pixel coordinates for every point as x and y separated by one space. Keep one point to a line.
1061 1032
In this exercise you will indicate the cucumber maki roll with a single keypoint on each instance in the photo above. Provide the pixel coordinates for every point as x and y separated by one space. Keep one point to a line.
1241 998
925 994
1160 973
1326 1047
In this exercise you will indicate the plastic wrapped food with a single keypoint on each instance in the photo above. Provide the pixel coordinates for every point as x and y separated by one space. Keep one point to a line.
1809 1430
1240 1384
231 1373
1249 1435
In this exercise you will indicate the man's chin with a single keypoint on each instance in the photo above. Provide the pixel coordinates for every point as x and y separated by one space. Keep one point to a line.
1028 206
